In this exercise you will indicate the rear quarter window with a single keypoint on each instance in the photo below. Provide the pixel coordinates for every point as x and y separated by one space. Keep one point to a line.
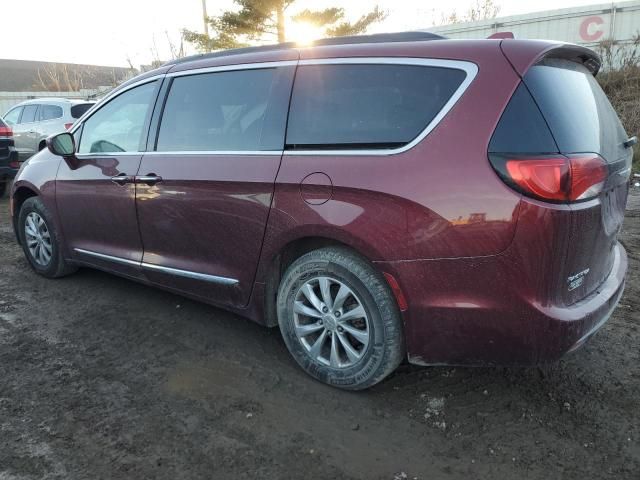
80 109
370 106
50 112
522 128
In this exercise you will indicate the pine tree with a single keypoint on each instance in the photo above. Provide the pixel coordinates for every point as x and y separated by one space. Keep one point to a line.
264 21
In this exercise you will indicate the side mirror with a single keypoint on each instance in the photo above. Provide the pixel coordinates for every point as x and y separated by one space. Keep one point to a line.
62 144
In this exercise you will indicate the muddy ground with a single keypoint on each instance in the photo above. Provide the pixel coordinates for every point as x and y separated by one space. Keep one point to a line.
104 378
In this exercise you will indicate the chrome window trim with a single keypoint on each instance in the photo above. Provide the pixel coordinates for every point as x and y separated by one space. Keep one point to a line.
216 152
172 271
182 153
110 96
108 154
470 68
231 68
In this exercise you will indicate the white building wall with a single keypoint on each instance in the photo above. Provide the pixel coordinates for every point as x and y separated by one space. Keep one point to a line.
588 25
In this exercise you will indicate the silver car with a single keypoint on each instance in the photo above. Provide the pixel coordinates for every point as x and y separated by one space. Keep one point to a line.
34 120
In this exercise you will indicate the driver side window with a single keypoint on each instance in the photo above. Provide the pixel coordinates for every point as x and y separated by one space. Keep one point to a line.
13 116
118 126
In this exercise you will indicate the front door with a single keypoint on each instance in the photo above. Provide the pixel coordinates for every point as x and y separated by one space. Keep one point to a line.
204 194
95 192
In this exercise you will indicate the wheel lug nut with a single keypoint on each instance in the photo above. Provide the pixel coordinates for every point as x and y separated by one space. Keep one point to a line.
336 313
325 309
340 329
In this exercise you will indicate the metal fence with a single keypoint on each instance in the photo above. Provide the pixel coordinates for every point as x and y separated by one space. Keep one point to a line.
9 99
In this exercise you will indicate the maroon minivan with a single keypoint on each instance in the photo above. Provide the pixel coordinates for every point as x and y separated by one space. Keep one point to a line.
378 198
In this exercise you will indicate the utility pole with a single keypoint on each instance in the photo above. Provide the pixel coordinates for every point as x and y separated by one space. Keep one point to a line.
204 18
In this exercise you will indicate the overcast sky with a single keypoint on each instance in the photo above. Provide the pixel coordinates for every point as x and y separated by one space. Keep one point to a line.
108 32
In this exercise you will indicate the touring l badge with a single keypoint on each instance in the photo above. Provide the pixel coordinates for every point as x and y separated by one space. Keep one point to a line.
576 280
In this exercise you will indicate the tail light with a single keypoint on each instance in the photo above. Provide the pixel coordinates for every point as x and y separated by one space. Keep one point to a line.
6 132
555 178
14 164
67 126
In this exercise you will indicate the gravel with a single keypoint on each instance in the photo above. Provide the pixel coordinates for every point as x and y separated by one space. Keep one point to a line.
104 378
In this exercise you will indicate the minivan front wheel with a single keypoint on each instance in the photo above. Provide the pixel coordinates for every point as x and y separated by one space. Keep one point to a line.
339 319
40 241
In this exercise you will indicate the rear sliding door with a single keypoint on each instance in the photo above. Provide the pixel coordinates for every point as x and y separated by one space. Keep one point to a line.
204 193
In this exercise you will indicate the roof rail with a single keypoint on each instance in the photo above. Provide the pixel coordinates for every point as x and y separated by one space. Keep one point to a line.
348 40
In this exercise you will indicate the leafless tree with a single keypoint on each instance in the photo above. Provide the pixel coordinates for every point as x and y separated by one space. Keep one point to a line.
60 77
480 10
620 79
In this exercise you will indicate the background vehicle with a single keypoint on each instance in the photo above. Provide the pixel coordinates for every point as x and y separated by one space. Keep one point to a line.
8 157
34 120
456 202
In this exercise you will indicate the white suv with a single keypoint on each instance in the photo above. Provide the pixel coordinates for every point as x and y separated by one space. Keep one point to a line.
34 120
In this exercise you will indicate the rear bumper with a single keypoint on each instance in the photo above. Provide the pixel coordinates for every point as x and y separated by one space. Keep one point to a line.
473 312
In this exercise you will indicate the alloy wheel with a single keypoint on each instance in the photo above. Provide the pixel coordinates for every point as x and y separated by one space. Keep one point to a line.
38 239
331 322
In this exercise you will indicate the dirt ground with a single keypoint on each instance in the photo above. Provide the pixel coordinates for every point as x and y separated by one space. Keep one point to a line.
104 378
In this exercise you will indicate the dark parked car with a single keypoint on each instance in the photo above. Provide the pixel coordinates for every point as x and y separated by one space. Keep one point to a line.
378 198
9 163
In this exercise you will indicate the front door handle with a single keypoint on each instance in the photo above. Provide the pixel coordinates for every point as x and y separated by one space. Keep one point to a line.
122 179
150 179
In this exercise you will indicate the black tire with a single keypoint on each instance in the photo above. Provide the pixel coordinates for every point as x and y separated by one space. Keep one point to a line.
386 348
56 266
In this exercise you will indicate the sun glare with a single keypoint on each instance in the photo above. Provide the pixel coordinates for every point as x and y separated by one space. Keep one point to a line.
303 33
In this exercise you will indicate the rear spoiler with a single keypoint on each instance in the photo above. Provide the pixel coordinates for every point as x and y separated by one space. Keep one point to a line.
522 54
501 35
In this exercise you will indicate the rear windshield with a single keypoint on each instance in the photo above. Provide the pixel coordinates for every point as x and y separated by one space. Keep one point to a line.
372 106
577 110
78 110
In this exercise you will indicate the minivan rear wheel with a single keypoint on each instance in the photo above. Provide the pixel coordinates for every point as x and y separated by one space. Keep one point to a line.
40 240
339 319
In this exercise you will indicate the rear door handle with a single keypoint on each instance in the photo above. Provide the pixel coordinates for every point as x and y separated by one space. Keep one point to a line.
630 142
122 179
149 179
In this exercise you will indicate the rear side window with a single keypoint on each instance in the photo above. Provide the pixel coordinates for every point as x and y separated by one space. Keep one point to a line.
225 111
29 114
522 128
80 109
576 109
366 106
49 112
